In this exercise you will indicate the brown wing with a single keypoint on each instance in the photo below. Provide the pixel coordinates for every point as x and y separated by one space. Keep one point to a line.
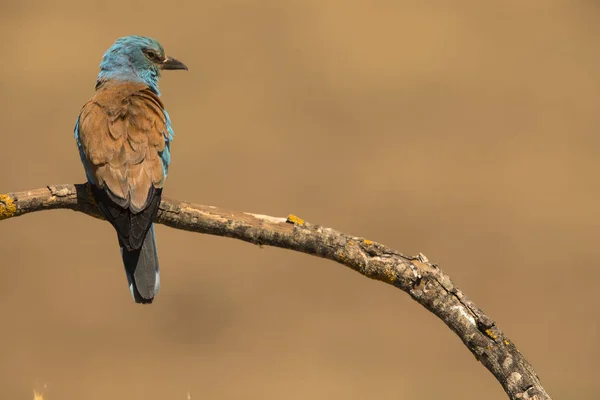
122 129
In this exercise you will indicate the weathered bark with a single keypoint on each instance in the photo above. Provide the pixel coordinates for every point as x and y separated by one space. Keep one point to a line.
425 282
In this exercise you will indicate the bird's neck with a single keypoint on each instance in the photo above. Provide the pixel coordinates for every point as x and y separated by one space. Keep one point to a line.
123 70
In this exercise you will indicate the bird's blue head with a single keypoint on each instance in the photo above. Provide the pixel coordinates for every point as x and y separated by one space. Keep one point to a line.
136 59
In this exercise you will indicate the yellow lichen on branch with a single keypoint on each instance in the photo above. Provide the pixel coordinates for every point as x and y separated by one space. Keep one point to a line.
8 207
491 334
295 220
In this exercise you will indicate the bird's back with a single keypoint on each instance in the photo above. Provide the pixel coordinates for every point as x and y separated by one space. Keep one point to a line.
122 134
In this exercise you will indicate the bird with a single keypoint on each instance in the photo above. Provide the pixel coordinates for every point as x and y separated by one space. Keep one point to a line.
124 133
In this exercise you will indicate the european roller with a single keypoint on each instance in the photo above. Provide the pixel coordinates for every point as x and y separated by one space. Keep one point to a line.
123 134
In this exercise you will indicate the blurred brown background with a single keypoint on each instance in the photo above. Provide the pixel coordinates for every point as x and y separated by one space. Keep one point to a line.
468 131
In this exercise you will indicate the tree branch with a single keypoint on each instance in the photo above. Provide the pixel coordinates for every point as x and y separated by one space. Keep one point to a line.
425 282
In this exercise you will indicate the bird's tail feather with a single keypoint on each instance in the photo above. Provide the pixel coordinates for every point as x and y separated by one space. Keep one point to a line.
141 267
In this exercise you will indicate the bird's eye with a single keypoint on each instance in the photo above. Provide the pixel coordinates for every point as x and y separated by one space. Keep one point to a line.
150 54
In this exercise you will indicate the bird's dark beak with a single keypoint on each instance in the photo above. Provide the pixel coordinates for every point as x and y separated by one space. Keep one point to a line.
171 63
